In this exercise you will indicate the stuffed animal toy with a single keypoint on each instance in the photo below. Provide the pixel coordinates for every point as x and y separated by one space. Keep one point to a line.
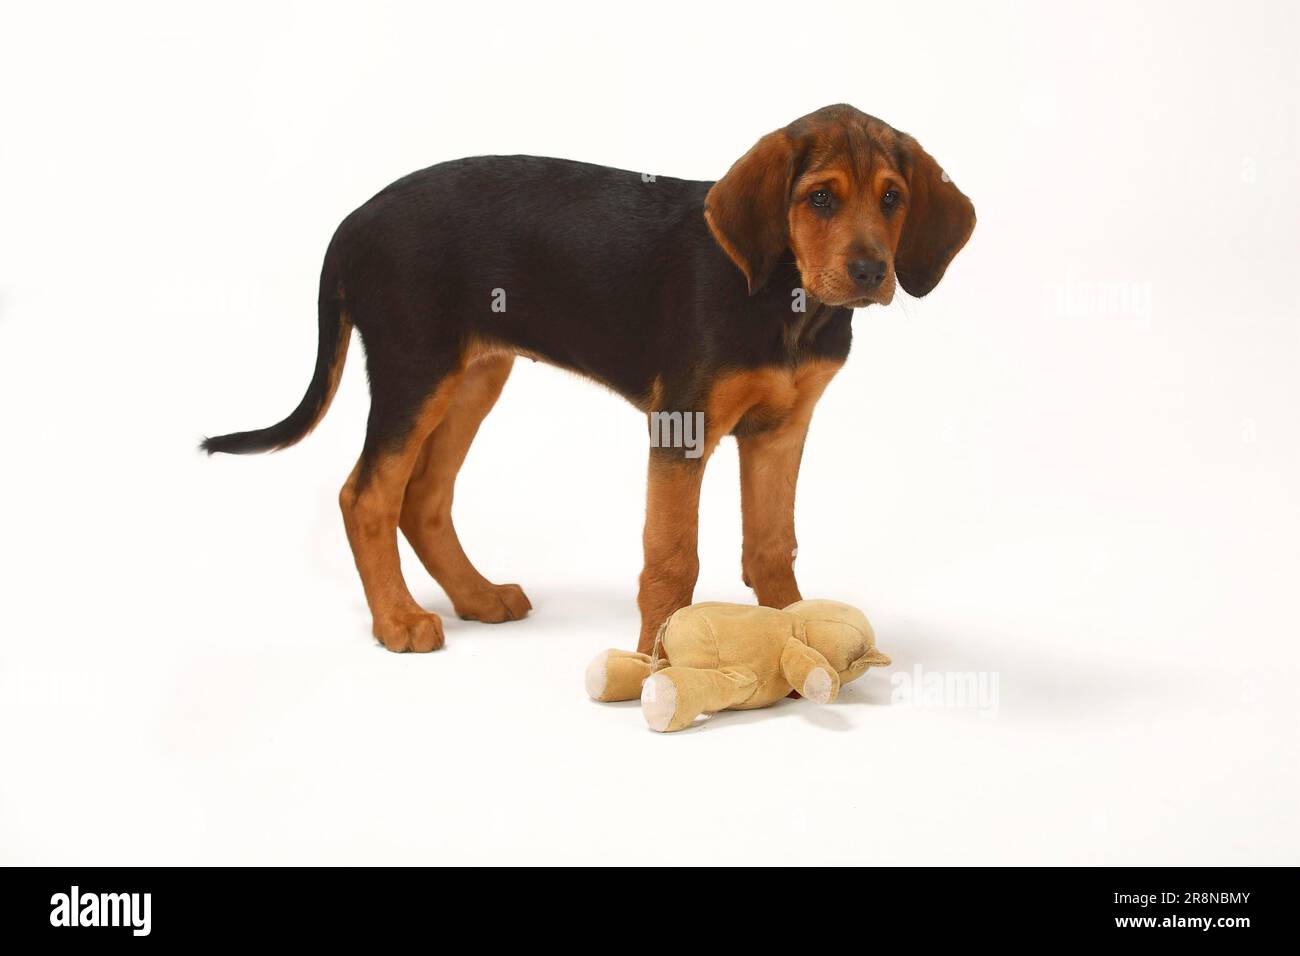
738 657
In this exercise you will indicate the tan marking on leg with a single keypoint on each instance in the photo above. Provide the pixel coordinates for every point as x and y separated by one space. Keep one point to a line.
769 473
426 512
672 518
669 543
370 515
769 470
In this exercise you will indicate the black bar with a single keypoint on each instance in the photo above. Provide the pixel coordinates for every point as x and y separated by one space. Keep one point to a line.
1174 906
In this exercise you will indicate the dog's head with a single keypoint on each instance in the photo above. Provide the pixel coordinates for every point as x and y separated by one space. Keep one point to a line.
860 205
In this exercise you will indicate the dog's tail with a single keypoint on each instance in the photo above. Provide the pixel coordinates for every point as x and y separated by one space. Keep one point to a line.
331 352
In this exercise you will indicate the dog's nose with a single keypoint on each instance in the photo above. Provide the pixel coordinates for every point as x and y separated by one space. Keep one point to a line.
867 273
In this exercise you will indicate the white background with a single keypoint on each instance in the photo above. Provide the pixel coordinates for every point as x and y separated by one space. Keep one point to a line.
1073 466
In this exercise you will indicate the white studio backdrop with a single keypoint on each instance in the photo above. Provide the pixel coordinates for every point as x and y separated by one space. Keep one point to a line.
1072 467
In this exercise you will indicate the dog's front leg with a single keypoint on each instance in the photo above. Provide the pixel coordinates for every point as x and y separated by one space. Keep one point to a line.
769 471
671 529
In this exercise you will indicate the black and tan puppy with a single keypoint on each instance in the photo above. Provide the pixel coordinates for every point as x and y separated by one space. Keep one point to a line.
723 303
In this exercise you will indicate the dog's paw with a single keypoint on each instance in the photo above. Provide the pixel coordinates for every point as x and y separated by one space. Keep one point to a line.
420 632
494 604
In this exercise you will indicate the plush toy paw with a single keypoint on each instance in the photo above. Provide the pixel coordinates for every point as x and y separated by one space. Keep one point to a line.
597 677
616 675
820 686
658 702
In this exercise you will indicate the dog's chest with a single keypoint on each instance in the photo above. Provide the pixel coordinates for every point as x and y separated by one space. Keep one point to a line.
756 400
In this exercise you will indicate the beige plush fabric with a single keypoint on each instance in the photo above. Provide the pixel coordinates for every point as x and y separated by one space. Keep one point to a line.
718 656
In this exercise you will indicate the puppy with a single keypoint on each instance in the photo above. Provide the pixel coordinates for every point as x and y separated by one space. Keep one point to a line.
716 308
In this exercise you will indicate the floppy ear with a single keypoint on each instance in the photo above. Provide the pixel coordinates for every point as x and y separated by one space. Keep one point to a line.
873 658
747 209
939 221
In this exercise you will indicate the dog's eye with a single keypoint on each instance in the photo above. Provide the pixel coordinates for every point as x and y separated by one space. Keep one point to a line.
890 199
820 198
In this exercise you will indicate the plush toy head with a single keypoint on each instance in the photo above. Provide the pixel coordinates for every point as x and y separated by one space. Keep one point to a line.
841 634
731 656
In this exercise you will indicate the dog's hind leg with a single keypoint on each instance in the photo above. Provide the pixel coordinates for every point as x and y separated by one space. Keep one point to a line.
371 502
426 511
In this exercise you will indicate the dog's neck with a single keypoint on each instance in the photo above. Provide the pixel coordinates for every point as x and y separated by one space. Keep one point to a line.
803 318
